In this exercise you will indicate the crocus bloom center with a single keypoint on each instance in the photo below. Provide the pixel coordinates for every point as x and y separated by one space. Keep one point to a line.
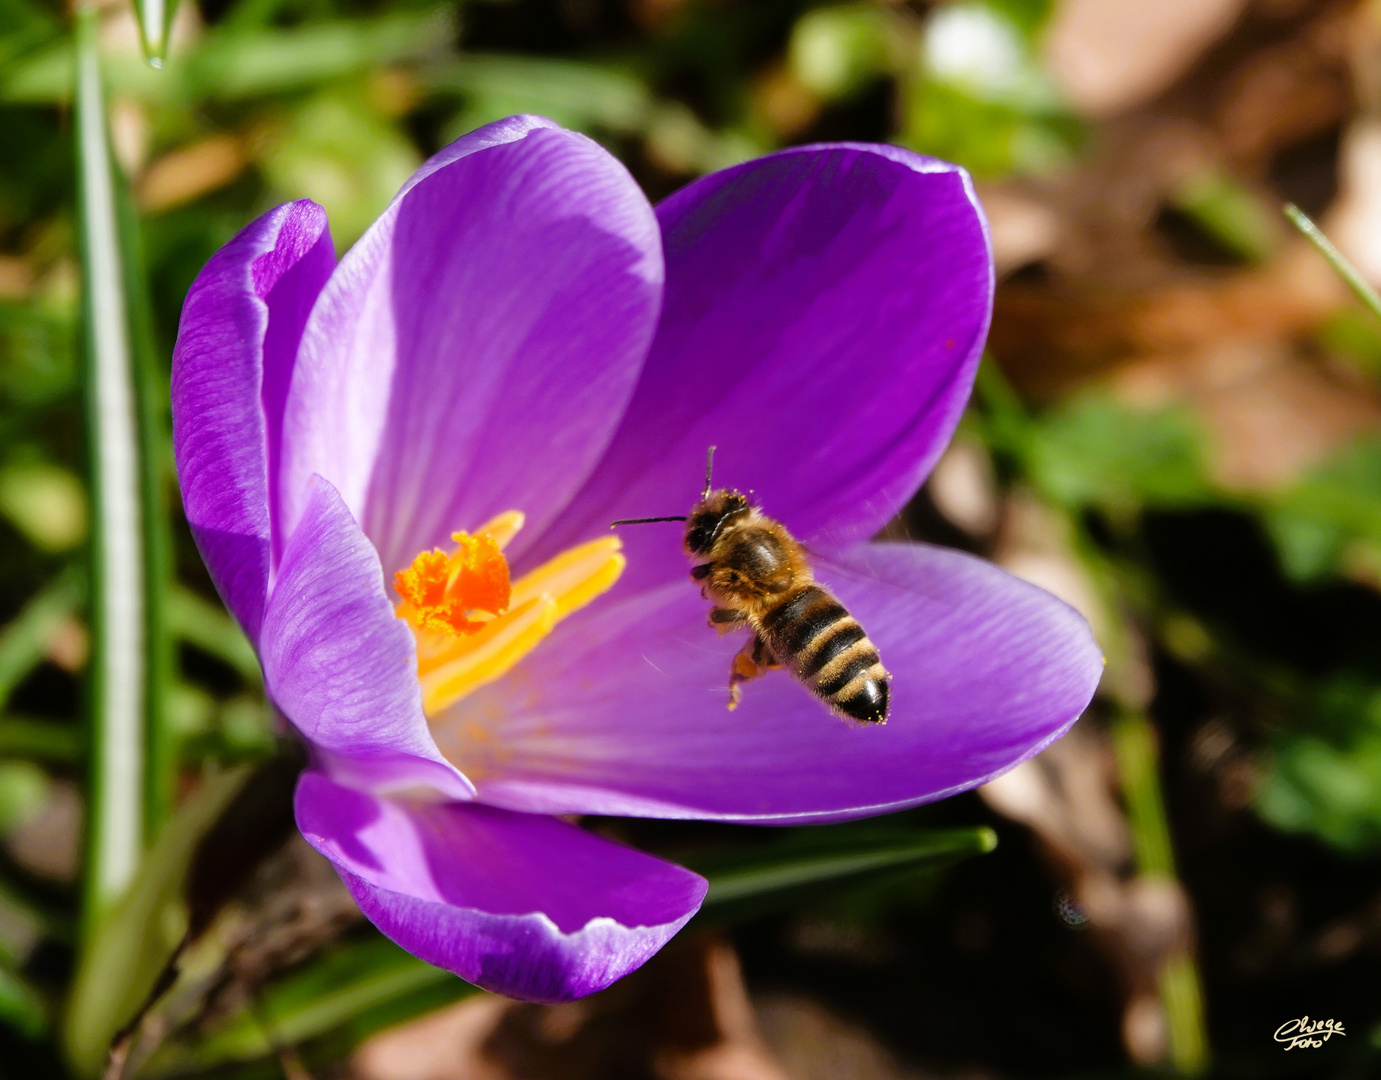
472 624
442 592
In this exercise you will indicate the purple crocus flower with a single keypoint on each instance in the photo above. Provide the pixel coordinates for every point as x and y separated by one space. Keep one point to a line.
519 351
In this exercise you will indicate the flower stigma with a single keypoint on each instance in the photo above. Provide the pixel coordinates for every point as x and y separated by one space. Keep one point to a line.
472 624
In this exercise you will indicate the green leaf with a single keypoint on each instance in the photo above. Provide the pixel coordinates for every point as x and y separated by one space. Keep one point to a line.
240 63
1353 336
1333 792
23 641
155 465
1313 522
1229 213
235 63
46 503
207 626
1095 451
338 151
1323 774
576 95
117 673
24 789
978 95
24 25
140 933
836 51
21 1006
155 20
44 740
1134 745
808 859
361 985
37 341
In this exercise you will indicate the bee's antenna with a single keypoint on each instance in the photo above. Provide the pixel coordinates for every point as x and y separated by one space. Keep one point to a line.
709 471
644 521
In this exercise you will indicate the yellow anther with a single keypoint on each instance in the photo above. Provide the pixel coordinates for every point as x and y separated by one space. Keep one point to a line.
488 654
503 528
574 577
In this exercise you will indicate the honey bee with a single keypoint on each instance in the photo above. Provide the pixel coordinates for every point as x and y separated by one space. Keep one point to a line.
757 575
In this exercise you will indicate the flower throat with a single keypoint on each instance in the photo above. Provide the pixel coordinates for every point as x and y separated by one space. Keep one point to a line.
473 624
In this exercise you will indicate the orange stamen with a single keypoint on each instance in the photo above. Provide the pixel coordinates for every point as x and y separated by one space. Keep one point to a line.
443 593
473 624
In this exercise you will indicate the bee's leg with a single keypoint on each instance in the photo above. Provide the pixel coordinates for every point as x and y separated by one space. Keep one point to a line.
752 660
763 655
725 619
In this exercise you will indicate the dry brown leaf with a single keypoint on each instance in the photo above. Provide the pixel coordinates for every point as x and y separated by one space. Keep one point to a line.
1269 414
685 1016
783 102
1354 221
814 1044
1051 338
444 1045
16 278
48 845
964 488
190 172
1024 229
1108 55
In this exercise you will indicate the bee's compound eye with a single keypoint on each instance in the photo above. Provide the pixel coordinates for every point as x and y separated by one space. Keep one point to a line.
699 538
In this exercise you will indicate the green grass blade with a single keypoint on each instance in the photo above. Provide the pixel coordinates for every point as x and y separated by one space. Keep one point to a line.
1134 745
23 641
1335 258
116 675
131 946
207 626
359 987
155 472
155 19
1228 213
833 857
21 1006
327 996
42 740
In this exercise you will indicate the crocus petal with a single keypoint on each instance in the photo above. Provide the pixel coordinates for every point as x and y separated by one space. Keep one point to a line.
623 711
825 311
520 904
491 323
240 328
338 662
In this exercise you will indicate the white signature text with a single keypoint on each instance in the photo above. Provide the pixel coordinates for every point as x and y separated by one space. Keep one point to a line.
1305 1033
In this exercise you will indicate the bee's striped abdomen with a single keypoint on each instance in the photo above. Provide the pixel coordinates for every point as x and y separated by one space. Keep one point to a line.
829 652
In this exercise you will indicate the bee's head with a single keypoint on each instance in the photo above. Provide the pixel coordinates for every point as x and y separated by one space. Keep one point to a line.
710 516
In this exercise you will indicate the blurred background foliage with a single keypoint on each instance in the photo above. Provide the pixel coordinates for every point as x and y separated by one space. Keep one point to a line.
1178 430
